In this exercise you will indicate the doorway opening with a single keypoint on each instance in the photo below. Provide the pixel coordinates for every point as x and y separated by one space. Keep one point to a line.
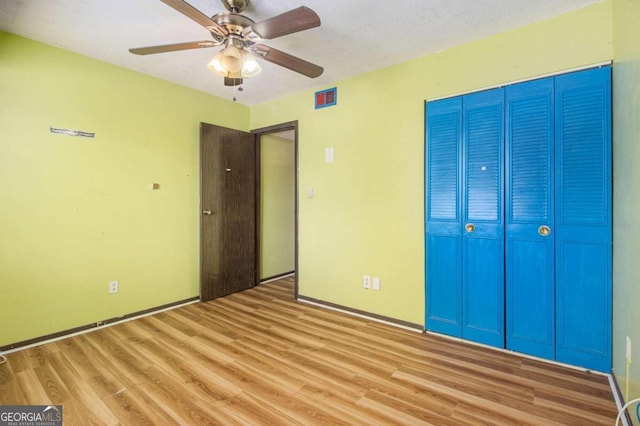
277 202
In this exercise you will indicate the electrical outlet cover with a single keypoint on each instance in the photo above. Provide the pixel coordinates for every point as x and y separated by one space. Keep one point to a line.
366 281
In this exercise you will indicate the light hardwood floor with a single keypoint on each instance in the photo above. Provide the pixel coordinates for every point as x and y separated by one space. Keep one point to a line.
259 357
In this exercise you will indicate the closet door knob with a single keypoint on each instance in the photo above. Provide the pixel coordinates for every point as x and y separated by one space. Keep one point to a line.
470 227
207 212
544 230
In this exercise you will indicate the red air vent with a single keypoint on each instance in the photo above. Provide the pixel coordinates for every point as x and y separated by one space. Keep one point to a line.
326 98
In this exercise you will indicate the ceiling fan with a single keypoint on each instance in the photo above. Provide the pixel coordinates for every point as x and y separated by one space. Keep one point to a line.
241 37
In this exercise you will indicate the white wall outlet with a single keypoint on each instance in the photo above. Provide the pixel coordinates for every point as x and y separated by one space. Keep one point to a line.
114 287
627 350
309 192
366 281
376 283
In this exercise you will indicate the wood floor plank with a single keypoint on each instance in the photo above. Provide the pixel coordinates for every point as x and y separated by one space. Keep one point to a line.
10 389
260 357
247 410
586 412
480 398
32 389
134 406
393 414
54 387
174 400
87 404
79 355
306 412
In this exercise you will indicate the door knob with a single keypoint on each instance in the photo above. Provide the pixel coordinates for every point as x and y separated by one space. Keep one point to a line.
207 212
470 227
544 230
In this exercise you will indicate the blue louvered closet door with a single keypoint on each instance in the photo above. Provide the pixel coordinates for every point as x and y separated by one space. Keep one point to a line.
538 266
464 215
530 251
443 241
482 215
583 218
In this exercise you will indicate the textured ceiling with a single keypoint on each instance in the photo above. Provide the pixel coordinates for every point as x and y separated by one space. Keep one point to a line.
356 36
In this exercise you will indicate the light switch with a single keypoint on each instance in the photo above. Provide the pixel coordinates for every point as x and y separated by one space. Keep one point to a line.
376 283
309 192
328 155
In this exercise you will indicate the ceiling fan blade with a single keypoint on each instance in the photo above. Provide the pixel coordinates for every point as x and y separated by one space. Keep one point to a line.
288 61
149 50
295 20
195 15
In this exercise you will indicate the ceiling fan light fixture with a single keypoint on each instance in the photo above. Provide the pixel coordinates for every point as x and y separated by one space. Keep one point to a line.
250 67
216 65
231 59
226 64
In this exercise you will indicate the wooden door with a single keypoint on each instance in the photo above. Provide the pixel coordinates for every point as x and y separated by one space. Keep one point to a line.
228 211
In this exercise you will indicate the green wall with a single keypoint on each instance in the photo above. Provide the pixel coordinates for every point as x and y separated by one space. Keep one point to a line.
367 213
626 194
76 213
277 206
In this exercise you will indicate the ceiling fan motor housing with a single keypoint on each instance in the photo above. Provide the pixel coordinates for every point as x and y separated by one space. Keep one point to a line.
233 22
235 6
